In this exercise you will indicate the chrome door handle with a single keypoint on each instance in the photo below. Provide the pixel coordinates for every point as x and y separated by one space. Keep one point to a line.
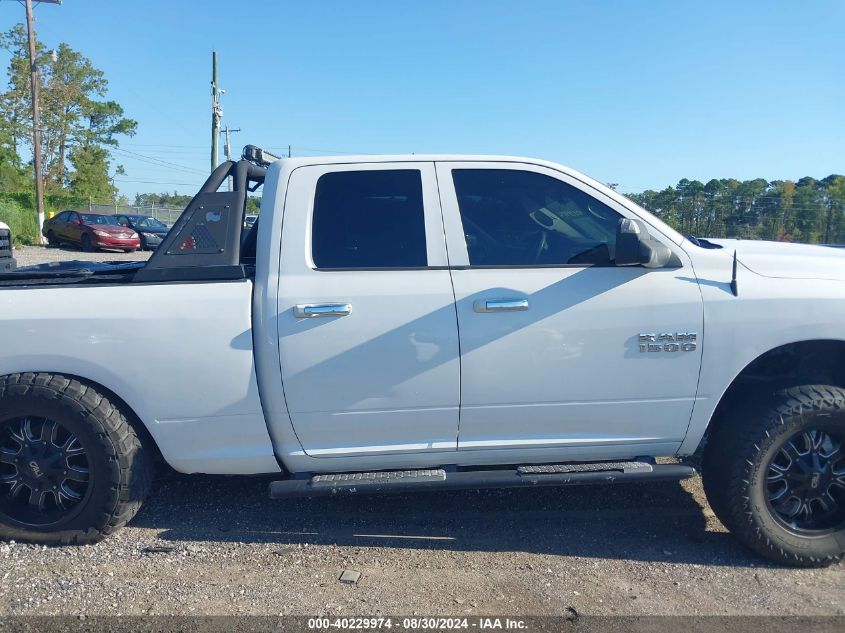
501 305
312 310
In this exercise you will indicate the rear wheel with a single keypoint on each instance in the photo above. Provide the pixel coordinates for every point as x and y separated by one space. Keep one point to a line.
775 475
52 240
72 469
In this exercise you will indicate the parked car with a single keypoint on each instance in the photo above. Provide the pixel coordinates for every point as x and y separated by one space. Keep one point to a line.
90 231
150 230
7 261
424 323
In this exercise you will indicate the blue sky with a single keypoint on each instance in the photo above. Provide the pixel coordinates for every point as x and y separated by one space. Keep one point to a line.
637 93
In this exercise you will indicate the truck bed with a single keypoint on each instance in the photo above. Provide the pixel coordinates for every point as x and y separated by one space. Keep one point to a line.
70 273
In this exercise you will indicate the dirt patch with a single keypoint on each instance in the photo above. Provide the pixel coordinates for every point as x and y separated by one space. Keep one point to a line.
217 545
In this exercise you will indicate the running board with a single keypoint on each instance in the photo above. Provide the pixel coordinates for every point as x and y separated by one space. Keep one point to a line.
443 479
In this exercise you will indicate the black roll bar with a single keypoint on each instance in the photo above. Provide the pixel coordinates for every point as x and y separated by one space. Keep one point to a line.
183 254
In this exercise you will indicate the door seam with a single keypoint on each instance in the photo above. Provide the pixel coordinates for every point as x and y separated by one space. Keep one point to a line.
454 307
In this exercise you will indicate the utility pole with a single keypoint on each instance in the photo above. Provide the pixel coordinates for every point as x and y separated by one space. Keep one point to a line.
36 115
828 221
227 149
216 110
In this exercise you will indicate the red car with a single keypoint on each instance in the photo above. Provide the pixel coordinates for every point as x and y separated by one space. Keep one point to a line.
90 231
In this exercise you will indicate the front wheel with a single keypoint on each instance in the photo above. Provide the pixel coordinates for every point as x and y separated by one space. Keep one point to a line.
72 469
86 243
775 475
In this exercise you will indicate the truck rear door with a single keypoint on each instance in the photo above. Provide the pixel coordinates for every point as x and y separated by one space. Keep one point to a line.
368 338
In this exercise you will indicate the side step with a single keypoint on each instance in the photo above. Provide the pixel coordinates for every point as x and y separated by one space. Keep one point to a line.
451 479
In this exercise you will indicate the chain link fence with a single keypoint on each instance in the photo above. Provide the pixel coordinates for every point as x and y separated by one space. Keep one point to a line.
17 209
163 214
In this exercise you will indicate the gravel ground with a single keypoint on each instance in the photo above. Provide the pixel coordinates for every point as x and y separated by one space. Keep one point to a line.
224 548
30 255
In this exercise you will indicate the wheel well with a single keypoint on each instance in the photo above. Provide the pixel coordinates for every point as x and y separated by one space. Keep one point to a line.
801 363
136 423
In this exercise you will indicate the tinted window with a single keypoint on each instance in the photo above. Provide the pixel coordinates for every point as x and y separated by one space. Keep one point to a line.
369 219
93 218
64 216
147 223
522 218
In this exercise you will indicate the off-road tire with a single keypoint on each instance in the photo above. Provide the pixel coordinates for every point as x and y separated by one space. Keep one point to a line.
735 466
120 465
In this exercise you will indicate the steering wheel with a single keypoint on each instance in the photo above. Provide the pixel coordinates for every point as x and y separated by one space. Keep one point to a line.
487 240
548 221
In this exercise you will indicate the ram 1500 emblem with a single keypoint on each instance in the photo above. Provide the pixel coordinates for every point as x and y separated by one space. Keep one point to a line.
668 342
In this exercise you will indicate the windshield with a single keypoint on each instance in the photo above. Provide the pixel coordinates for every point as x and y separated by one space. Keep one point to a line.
148 223
92 218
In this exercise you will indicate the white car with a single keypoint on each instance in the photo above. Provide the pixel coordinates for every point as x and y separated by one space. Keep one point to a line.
405 323
7 261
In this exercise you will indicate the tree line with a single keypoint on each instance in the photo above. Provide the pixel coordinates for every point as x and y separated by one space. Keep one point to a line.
79 124
79 127
806 210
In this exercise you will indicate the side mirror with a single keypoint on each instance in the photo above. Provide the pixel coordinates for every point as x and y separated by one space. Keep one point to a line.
76 222
636 247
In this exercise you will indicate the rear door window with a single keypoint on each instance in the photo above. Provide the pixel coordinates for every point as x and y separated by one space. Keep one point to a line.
369 219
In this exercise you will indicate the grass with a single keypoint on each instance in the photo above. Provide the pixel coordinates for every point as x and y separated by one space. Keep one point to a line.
21 220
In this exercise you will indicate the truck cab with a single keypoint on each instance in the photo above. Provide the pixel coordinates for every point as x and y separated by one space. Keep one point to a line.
424 304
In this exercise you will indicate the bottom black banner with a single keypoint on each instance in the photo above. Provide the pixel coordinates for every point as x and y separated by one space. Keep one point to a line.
573 622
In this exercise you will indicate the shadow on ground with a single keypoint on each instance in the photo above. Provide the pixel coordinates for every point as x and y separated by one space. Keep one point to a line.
659 521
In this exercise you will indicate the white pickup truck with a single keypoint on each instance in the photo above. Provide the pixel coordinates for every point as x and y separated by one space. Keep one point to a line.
410 323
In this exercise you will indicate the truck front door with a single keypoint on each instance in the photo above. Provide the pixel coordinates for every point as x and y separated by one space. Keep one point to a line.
560 348
367 330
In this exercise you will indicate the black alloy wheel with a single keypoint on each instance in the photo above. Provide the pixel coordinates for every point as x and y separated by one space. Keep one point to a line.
74 467
773 471
806 482
44 472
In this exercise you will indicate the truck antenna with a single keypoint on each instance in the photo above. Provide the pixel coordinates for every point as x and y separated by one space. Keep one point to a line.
733 278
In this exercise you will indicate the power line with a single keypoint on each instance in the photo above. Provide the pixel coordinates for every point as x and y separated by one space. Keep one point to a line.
159 182
158 161
164 145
